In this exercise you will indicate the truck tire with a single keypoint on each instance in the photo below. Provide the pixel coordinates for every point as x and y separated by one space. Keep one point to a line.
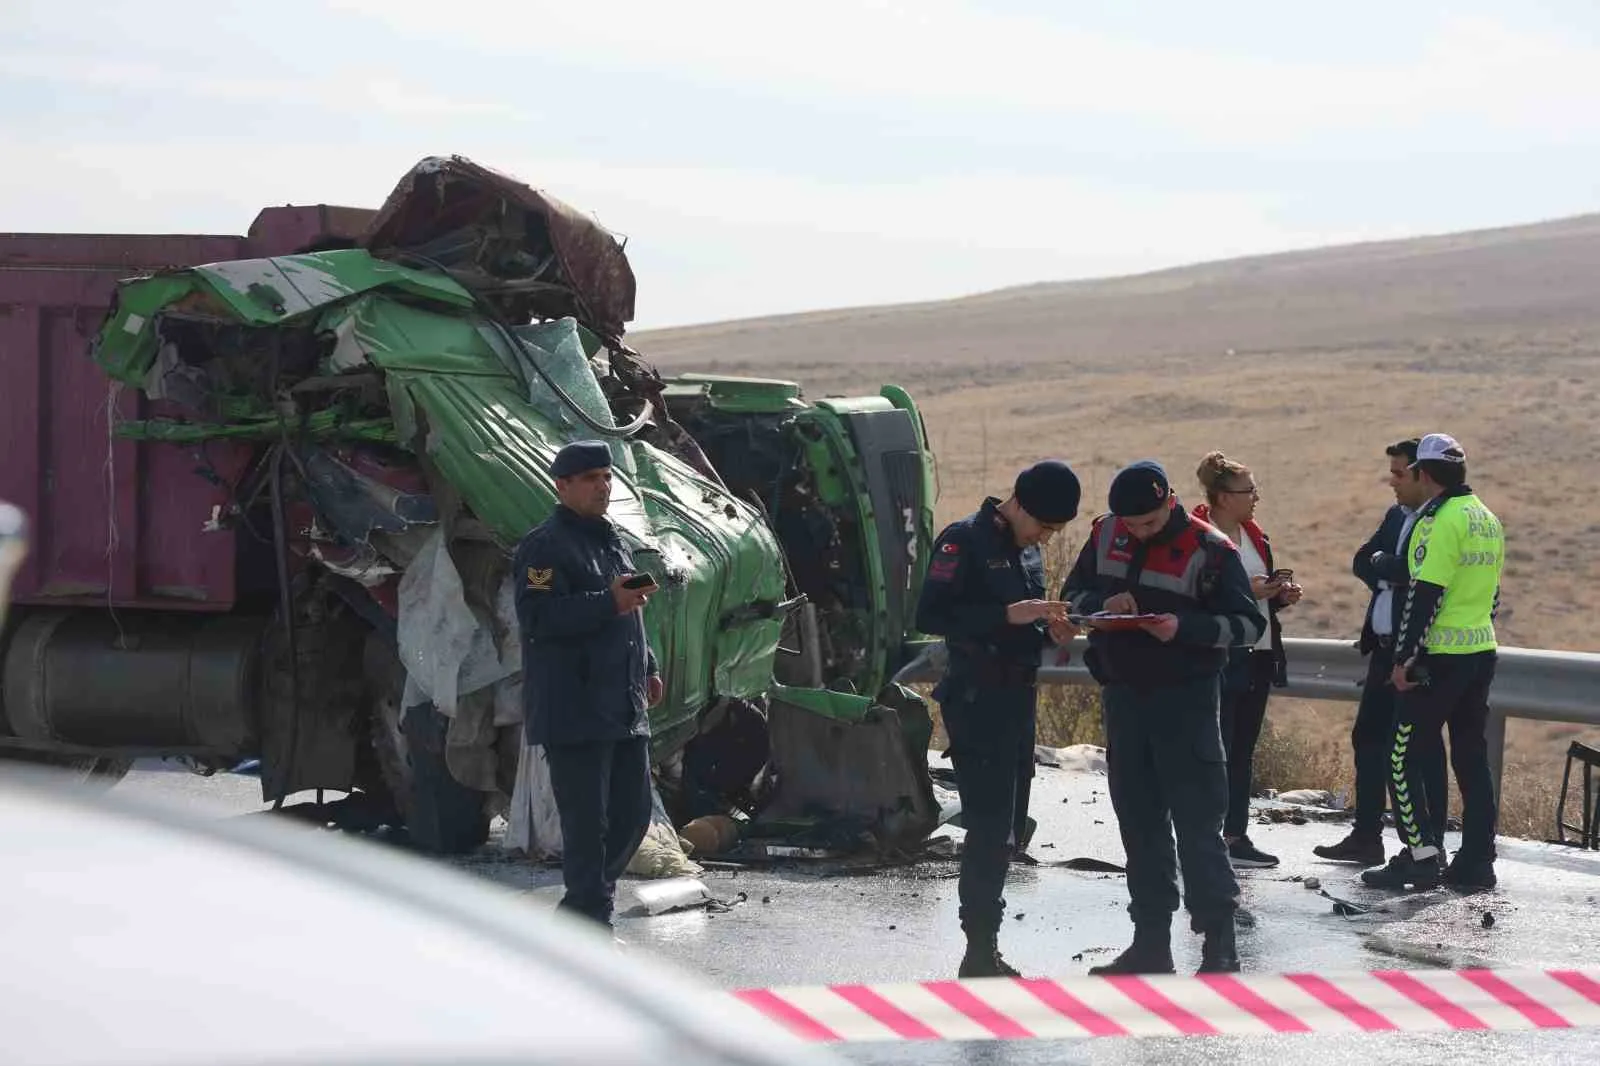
442 816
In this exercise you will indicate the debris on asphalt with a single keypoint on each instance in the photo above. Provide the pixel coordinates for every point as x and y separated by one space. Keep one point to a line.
723 906
1306 797
1313 883
1080 757
1345 909
1091 865
1488 920
670 894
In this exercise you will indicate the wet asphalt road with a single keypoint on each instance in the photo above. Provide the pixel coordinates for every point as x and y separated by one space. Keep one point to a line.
798 924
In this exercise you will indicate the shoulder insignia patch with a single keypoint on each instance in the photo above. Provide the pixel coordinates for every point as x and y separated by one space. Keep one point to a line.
950 547
539 580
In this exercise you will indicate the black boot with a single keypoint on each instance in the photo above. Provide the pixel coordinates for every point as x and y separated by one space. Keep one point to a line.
1365 849
983 958
1470 873
1151 952
1403 871
1219 953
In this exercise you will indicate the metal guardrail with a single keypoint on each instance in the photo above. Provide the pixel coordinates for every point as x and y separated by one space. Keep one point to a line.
1552 686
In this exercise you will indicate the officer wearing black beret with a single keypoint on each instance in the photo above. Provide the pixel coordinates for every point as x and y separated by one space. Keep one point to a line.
984 594
1161 690
588 677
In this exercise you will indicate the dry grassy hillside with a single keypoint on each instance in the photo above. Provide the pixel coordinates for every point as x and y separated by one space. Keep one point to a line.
1302 365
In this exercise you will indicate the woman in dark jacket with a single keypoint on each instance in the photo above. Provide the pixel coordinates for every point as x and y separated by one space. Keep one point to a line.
1251 674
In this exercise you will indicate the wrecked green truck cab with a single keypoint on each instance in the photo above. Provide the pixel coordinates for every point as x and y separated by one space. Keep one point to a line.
391 407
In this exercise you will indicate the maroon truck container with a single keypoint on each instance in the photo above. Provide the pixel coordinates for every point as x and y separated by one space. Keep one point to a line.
126 633
112 521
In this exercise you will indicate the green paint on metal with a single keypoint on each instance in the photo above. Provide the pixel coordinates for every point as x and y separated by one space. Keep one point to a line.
901 400
252 292
850 485
490 425
841 706
323 425
740 395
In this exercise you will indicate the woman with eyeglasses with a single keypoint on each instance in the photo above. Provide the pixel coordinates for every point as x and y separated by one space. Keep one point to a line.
1231 496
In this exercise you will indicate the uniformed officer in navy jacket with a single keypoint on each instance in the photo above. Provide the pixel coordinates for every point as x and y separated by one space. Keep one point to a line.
1166 770
588 677
985 595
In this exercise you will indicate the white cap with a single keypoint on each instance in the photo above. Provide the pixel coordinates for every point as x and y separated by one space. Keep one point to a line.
1441 447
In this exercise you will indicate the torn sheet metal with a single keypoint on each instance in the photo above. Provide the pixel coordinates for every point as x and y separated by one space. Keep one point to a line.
528 253
858 765
356 504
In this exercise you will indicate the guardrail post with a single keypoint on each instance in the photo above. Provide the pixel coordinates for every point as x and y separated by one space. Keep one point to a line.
1495 733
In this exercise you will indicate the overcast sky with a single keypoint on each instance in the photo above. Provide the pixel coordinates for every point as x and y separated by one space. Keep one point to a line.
842 152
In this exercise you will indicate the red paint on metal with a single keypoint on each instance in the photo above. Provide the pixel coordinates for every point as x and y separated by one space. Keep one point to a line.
111 519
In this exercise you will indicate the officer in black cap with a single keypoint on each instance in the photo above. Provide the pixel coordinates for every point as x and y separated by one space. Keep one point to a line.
1160 681
984 594
588 677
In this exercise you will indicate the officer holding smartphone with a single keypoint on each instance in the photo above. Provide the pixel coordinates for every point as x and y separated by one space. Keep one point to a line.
588 677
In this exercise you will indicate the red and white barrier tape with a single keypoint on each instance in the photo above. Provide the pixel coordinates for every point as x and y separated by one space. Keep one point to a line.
1403 1001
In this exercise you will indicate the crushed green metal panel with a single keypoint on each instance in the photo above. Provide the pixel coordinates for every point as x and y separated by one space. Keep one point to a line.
741 395
266 292
843 706
126 345
901 399
323 425
491 424
256 292
841 481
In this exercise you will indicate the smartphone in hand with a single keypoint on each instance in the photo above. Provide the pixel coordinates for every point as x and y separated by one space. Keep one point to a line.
639 581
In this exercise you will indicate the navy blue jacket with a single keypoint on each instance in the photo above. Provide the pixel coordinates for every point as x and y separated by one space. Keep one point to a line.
584 666
1188 569
975 572
1392 567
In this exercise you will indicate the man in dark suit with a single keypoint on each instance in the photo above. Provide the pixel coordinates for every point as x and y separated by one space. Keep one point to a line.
1380 564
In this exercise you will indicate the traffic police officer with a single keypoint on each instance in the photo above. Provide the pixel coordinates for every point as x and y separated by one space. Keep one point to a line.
1164 754
984 594
1444 663
588 676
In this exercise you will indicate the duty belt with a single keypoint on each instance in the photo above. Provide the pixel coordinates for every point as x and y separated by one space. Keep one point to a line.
992 668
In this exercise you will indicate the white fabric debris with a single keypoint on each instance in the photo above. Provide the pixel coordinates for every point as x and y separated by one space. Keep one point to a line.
447 653
1086 758
533 826
661 853
1307 797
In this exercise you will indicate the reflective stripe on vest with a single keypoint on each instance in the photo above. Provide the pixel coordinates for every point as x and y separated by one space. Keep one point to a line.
1475 542
1114 547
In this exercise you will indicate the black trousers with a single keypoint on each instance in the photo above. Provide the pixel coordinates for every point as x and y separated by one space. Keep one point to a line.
602 793
1244 709
1457 695
991 732
1168 775
1372 739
